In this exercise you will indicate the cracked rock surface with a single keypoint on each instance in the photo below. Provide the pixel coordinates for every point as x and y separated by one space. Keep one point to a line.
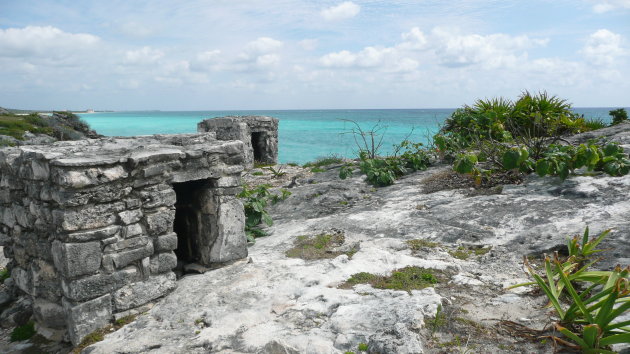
274 304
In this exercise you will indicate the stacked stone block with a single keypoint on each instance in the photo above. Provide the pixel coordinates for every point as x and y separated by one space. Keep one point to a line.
258 133
88 225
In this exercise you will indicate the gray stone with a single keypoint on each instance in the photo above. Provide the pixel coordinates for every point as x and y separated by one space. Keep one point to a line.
163 262
23 280
6 297
41 171
259 135
49 314
94 286
166 242
139 293
17 314
92 235
89 287
132 230
135 242
195 268
133 312
160 222
230 239
123 258
74 259
130 216
398 340
84 318
277 347
153 198
81 220
93 217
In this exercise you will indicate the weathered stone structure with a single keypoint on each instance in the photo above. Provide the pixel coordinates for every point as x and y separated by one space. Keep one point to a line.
94 228
258 133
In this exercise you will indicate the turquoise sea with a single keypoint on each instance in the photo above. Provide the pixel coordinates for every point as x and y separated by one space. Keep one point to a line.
304 134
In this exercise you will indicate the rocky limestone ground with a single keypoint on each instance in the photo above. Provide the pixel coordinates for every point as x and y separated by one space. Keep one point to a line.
475 239
271 303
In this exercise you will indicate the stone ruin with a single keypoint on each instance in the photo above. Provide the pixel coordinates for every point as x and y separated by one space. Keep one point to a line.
94 228
258 133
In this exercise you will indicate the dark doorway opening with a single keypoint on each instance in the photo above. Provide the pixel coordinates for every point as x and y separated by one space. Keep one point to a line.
258 144
188 225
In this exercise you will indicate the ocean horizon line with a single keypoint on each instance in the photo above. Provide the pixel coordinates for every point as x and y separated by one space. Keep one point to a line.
306 109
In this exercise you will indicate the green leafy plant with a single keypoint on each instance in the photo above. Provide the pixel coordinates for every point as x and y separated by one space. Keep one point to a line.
362 347
438 321
407 279
382 172
618 116
346 171
556 160
276 173
324 161
587 318
583 252
594 124
4 275
255 201
23 332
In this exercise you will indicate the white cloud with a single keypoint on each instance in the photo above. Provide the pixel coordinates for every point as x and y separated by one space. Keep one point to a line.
343 11
263 45
135 29
602 6
444 47
143 56
48 41
209 55
340 59
267 59
603 47
308 44
414 39
492 50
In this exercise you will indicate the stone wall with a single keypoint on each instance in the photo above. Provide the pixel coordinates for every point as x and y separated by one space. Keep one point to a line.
89 225
258 133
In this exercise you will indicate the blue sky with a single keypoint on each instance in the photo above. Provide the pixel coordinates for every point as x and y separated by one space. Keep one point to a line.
298 54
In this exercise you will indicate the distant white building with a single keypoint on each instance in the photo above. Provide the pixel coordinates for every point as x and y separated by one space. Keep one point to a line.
89 110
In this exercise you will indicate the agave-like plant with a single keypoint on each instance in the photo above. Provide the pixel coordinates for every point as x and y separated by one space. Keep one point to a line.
588 320
543 115
592 314
585 250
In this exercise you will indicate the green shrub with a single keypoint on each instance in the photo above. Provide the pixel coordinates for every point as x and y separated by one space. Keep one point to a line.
484 120
407 279
15 126
594 124
490 126
384 171
542 115
618 116
255 201
322 246
324 161
23 332
275 173
4 275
